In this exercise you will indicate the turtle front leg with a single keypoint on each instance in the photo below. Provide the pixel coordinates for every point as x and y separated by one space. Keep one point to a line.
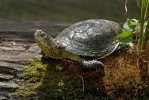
93 64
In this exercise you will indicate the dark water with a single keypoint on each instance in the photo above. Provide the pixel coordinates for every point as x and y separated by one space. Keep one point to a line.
66 10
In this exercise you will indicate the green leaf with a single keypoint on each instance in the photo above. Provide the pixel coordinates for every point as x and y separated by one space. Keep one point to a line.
130 24
125 37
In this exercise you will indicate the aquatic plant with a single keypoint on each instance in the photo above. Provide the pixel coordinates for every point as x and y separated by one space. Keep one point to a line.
139 28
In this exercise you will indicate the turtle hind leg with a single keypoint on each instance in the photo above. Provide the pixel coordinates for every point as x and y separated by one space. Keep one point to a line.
93 64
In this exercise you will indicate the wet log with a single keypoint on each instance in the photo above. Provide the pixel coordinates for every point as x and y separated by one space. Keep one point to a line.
17 47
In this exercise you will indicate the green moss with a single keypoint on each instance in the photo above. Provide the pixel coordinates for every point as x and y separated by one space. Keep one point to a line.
48 81
68 80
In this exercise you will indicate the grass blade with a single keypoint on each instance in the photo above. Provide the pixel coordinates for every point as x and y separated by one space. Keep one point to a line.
144 9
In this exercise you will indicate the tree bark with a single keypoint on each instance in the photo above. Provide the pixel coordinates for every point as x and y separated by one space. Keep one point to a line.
17 47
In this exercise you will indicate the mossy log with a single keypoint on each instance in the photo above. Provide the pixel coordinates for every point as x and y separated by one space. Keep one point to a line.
17 47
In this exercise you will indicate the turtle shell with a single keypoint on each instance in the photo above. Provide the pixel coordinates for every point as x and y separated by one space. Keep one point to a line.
91 38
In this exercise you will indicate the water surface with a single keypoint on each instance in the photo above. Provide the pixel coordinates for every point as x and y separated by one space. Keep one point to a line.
66 10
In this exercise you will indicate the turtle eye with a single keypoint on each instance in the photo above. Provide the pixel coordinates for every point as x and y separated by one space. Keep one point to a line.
42 34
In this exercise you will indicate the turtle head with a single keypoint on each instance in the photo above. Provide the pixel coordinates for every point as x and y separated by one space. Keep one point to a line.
42 38
47 44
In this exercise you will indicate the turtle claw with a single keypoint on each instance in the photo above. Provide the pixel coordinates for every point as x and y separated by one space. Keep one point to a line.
93 64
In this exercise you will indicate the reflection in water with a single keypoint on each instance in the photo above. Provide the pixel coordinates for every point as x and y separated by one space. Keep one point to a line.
66 10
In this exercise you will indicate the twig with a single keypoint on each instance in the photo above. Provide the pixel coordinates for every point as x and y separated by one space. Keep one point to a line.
147 64
125 7
82 82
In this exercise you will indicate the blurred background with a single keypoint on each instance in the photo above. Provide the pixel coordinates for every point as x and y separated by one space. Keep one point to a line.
67 10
